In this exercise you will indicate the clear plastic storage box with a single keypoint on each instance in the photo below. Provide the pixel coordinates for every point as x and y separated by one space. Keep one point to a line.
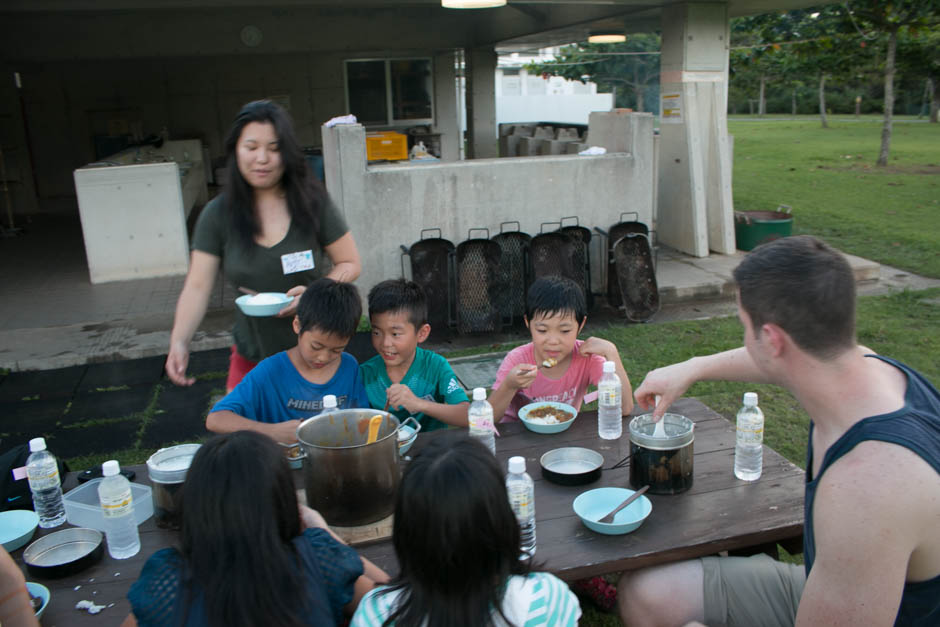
83 509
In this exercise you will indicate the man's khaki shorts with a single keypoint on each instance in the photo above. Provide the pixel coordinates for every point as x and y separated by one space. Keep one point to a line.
751 591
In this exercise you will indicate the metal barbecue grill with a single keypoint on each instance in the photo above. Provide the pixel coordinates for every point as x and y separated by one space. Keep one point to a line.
581 239
432 267
514 272
624 227
636 276
478 284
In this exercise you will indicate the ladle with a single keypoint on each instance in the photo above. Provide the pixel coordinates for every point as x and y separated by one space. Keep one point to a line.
659 431
374 423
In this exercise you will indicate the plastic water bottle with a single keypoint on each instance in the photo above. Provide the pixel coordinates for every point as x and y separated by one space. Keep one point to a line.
609 406
521 492
43 475
480 417
748 449
117 507
329 404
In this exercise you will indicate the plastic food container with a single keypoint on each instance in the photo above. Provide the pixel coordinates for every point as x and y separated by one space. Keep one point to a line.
167 469
665 463
83 509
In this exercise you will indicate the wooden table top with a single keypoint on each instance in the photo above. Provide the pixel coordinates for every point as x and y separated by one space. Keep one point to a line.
718 513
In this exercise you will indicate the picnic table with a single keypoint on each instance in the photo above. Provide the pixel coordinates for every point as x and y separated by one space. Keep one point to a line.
719 513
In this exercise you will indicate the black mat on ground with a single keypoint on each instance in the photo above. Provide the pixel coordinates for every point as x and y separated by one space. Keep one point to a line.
101 438
58 383
23 421
131 372
181 414
112 404
208 361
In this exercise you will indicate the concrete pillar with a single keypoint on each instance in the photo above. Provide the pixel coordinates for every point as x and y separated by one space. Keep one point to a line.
481 104
446 105
696 212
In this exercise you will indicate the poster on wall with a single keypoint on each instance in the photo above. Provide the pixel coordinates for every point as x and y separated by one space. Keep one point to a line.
670 106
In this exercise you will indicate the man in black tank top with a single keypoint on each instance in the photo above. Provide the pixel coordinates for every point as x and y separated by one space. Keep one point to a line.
872 501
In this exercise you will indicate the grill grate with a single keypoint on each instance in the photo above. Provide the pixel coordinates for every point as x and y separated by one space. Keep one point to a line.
617 231
636 276
581 240
514 274
554 254
431 268
478 286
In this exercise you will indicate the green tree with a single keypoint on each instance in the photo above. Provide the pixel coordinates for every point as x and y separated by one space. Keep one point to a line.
918 60
628 70
875 18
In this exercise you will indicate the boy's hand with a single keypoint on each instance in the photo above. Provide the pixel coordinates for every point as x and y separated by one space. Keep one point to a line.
400 395
285 432
600 347
521 376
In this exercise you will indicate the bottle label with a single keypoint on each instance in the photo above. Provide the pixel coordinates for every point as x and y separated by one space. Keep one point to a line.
43 481
482 422
750 436
608 395
521 503
118 505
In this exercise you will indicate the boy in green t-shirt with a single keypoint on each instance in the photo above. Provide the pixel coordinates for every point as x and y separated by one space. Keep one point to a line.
403 378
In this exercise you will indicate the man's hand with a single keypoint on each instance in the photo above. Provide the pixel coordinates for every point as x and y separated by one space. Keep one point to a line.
669 382
400 395
310 518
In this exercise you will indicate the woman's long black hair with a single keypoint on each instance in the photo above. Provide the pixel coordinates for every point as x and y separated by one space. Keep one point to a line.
455 535
305 194
238 517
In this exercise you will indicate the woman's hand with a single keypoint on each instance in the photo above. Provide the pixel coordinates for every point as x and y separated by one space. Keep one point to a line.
176 362
291 309
345 257
310 518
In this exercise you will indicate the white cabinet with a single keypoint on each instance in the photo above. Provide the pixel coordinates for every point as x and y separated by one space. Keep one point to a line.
133 208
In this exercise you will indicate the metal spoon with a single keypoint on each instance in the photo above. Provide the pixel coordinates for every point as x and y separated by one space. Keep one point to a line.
609 518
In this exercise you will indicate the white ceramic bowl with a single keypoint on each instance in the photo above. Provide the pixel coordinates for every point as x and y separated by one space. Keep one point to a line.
249 308
542 428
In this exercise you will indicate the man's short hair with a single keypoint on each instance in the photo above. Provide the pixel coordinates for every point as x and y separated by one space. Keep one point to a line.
555 295
330 307
396 295
805 287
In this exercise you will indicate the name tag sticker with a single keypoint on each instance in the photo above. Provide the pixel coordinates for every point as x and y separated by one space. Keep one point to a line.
297 262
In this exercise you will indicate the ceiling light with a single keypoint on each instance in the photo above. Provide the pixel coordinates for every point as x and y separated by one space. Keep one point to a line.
606 37
472 4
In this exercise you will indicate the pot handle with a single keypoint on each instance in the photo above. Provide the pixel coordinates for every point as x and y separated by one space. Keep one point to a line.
417 425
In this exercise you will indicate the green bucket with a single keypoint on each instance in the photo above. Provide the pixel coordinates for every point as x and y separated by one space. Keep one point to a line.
753 228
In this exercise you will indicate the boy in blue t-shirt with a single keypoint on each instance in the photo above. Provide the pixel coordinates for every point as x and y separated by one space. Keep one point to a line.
403 378
288 387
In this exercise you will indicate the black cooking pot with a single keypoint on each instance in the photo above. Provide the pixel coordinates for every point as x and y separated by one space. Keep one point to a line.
571 465
64 553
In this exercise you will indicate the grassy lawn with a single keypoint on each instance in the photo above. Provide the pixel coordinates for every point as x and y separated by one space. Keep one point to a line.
890 215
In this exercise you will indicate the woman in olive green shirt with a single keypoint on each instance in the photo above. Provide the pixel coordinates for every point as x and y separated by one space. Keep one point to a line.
273 229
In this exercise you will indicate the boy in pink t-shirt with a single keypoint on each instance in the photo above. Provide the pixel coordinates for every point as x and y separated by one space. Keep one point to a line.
555 365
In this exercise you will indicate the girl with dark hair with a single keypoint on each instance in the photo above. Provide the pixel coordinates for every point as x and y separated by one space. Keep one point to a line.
249 555
273 229
457 542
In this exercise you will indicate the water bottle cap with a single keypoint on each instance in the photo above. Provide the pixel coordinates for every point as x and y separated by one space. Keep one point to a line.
110 468
329 401
37 444
750 399
516 465
610 366
479 394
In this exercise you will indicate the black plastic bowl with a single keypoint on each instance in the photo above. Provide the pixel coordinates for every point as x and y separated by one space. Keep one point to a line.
571 465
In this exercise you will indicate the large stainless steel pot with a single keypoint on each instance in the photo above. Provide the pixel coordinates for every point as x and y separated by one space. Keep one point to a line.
350 482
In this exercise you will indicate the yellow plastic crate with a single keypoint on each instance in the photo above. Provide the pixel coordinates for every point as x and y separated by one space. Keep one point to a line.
386 145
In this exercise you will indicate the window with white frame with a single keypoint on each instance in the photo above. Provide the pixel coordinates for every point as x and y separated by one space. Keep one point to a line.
390 92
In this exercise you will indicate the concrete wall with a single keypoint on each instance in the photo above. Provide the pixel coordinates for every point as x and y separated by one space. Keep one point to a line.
388 205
